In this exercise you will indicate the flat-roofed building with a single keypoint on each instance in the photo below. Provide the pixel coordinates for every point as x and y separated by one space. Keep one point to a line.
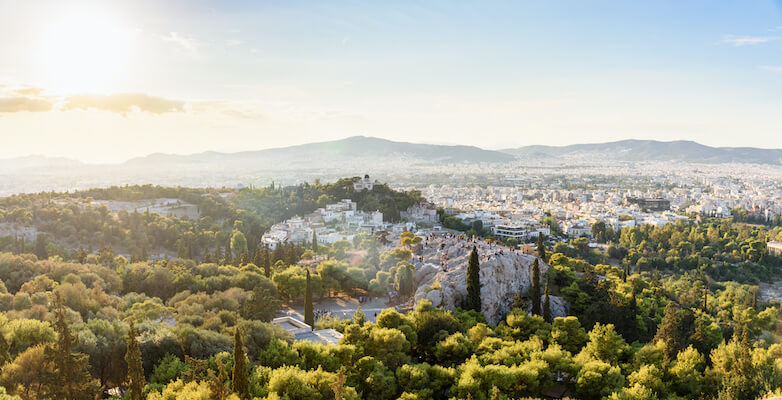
774 248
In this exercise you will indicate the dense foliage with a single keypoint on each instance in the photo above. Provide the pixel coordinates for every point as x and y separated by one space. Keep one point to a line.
665 321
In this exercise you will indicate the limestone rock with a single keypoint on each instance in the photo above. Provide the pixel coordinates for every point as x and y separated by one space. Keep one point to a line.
442 276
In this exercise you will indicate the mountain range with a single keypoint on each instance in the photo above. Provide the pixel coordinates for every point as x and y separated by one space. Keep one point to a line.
652 150
361 150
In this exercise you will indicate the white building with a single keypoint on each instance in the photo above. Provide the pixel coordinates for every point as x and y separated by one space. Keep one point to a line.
577 230
363 184
774 248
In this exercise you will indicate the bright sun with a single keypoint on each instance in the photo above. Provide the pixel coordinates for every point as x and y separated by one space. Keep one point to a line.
83 51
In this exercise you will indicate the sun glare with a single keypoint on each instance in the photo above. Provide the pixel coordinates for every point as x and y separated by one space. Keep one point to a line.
83 51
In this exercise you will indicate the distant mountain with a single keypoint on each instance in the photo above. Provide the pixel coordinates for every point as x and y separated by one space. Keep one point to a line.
652 150
36 162
357 149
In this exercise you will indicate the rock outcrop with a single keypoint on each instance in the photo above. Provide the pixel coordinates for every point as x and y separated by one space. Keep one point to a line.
441 276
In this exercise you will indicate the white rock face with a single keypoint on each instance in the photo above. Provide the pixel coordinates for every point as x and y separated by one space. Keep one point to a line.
501 275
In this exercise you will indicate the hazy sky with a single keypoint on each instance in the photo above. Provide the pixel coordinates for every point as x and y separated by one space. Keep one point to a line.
106 80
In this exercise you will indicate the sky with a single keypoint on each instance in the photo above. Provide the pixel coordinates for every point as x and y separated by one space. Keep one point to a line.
103 81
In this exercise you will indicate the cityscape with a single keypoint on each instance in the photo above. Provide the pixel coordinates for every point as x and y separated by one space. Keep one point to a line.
407 200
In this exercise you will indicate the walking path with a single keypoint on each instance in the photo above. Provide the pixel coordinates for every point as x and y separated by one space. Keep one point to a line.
341 307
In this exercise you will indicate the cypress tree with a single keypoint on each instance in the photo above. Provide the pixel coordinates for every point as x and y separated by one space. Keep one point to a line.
228 259
136 380
535 290
40 247
5 356
547 307
267 262
668 331
314 242
258 258
541 247
473 301
700 338
309 315
241 384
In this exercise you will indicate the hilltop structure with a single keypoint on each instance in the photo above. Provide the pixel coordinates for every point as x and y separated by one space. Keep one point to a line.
365 183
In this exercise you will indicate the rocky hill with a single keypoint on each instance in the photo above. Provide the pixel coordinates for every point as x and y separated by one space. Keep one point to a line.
442 275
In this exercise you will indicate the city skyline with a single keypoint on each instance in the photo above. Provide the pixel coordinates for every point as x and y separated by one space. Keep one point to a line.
104 82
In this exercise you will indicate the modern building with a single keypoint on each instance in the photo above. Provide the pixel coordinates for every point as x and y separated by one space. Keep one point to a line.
656 204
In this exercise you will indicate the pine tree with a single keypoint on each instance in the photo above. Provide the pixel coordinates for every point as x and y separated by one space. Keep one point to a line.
547 307
339 384
495 393
541 247
309 315
136 380
473 301
70 378
241 384
359 317
534 292
217 382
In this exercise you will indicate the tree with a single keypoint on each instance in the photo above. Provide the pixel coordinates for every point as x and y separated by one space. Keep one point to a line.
309 315
541 246
606 345
23 375
241 385
405 278
217 382
669 332
238 244
339 384
568 333
359 317
136 380
267 262
473 301
262 304
547 307
314 242
40 247
104 342
70 378
534 292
